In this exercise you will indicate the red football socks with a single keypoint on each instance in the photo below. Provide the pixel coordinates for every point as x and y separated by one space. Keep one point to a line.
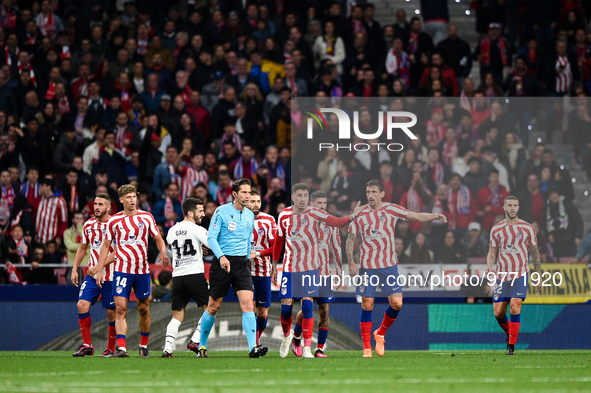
366 334
513 332
84 321
386 323
286 325
307 330
112 337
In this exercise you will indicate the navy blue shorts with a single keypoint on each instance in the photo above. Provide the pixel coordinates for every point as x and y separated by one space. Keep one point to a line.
325 292
124 282
261 286
386 279
90 291
507 290
296 285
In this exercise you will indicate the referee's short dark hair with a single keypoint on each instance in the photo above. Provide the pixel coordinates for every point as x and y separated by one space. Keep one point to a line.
190 205
300 186
239 183
317 195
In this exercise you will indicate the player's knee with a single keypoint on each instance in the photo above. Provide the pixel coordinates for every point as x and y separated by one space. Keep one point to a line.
367 304
121 312
110 314
287 302
515 309
213 308
396 303
246 306
83 306
263 313
144 310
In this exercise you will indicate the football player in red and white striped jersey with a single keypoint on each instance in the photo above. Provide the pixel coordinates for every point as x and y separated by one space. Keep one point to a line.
262 246
130 231
93 233
297 230
329 239
52 216
510 240
378 259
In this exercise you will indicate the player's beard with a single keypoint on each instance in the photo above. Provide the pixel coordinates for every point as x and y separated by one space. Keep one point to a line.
508 215
99 215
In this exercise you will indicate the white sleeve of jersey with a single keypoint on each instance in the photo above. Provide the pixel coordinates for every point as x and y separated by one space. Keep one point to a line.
201 234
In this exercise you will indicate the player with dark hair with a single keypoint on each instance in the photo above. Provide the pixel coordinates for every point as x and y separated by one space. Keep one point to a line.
297 230
329 240
262 245
378 259
510 240
130 230
229 236
93 233
184 241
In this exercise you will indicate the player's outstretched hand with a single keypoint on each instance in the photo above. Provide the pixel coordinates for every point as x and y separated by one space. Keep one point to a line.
353 269
74 277
252 255
164 258
100 279
357 210
274 275
441 217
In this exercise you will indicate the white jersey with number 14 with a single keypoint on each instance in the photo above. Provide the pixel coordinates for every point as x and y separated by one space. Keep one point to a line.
184 248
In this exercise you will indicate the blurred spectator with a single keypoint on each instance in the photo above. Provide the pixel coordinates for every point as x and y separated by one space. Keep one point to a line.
456 54
562 224
492 53
490 200
461 206
531 200
52 216
473 243
344 187
73 238
162 291
448 251
418 252
168 210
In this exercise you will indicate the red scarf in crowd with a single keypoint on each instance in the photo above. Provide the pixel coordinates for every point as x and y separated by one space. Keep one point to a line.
186 94
450 151
142 46
168 209
46 25
50 91
438 208
461 205
485 51
22 67
438 173
63 105
413 199
8 57
73 199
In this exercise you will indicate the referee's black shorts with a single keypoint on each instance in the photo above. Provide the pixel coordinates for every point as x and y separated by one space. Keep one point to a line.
239 277
186 287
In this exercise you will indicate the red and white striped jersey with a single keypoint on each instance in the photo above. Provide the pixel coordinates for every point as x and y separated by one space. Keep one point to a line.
564 78
190 178
376 229
512 242
130 234
52 212
300 232
262 241
93 234
330 249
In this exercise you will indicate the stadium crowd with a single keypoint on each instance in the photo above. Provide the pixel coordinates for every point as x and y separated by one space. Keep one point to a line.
182 97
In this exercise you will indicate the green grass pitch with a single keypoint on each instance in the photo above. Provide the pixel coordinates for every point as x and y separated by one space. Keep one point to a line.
343 371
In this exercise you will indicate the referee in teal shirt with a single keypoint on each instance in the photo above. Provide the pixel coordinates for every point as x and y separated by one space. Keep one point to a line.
229 237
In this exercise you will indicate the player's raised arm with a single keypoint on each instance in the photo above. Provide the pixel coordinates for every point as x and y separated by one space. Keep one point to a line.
333 221
80 254
426 217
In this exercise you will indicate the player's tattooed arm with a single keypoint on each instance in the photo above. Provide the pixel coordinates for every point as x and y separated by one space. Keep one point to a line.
353 269
535 256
